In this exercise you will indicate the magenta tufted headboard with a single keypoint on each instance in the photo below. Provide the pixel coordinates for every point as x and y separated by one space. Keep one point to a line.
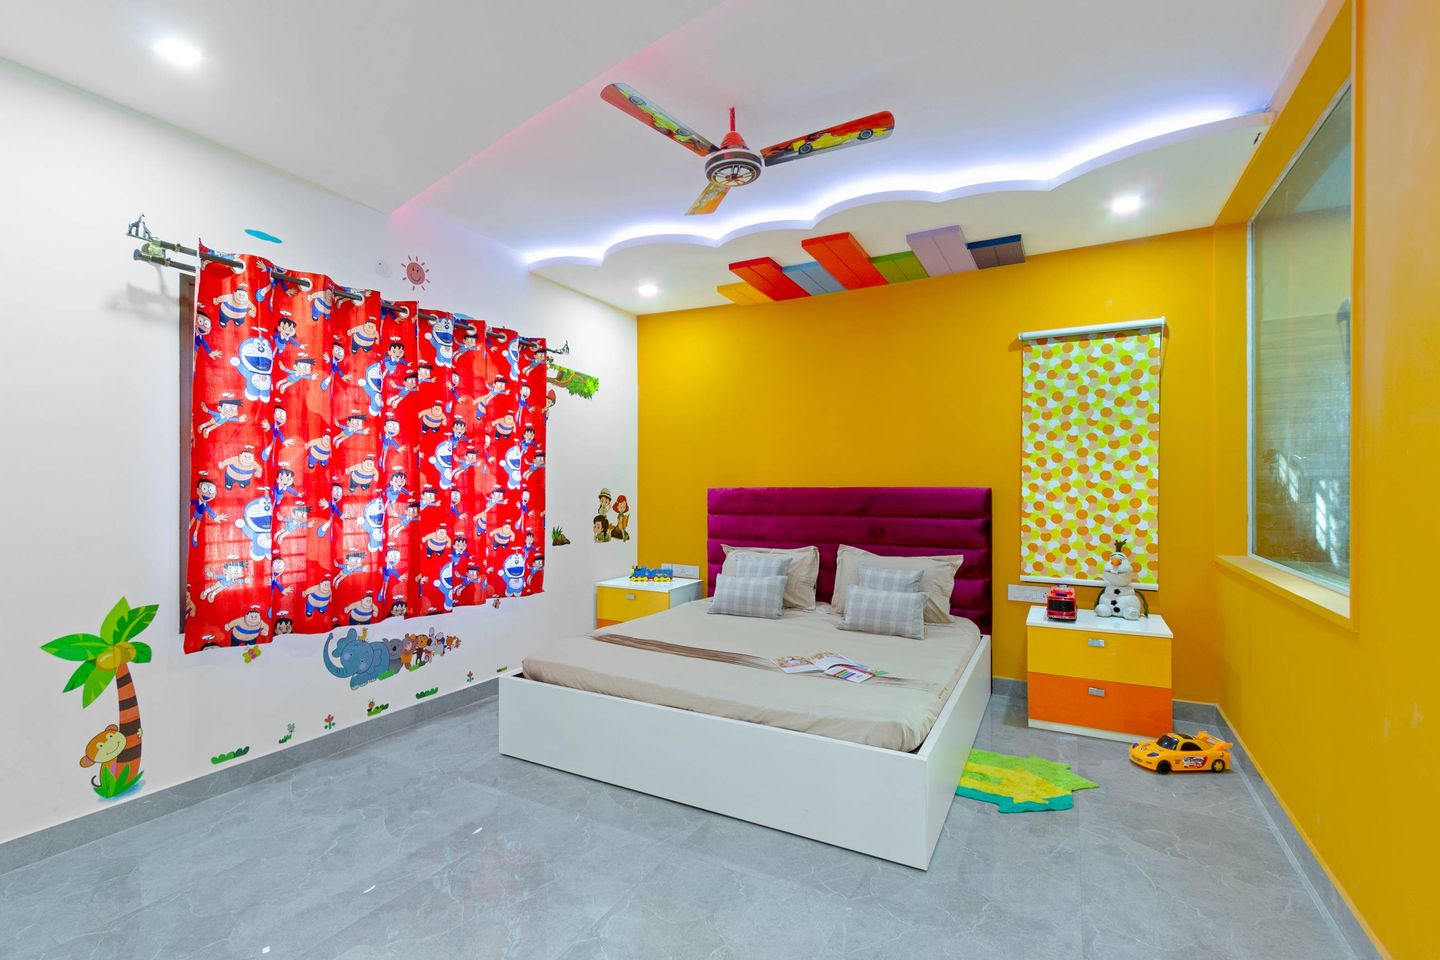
895 521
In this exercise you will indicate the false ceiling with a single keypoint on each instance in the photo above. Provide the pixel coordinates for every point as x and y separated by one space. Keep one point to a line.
1010 117
372 100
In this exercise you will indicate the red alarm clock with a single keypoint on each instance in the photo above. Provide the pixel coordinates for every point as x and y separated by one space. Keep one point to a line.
1060 603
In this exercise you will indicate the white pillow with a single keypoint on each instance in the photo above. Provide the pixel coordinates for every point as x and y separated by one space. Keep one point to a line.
892 578
891 613
937 577
804 570
749 596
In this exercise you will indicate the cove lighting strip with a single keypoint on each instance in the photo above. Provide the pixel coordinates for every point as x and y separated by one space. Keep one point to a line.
1044 175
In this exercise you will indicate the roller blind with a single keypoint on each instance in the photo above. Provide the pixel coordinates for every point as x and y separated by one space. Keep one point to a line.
1090 456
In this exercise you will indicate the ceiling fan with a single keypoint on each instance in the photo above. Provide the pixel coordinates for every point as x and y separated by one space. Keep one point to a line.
733 164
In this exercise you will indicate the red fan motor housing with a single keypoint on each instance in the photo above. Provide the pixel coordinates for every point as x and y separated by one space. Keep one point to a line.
734 164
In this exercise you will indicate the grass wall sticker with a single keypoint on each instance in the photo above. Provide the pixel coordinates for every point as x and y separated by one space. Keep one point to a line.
224 757
427 693
375 709
289 732
102 658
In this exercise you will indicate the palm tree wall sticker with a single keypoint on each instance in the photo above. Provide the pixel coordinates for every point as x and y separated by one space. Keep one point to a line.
104 657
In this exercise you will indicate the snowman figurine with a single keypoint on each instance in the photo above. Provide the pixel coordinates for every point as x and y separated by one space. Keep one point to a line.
1119 598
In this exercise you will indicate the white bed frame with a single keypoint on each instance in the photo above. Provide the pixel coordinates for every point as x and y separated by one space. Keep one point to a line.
881 802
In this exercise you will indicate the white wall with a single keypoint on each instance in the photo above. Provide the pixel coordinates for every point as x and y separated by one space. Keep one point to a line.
90 435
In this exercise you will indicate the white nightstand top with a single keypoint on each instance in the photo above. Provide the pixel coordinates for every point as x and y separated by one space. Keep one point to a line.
651 586
1151 626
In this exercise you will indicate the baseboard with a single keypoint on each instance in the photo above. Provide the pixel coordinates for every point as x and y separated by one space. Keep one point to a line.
1329 899
82 830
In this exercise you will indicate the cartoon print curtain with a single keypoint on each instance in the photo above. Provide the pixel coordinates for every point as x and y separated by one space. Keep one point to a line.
353 459
1090 461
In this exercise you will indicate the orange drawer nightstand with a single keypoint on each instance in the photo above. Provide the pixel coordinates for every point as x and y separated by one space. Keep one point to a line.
622 599
1099 676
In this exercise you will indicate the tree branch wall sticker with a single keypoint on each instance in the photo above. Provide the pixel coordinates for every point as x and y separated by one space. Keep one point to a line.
102 658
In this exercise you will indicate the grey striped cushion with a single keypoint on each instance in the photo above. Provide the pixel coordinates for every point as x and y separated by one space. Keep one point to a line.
760 565
749 596
892 613
891 578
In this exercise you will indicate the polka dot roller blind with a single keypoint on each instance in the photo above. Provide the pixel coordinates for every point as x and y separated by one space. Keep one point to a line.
1090 460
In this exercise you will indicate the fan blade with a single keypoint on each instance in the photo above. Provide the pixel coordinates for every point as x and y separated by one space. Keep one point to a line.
625 98
877 126
708 200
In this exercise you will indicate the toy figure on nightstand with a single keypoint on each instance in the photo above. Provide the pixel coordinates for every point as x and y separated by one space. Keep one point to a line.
1119 598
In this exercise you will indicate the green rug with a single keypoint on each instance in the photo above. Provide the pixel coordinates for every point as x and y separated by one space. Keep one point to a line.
1019 784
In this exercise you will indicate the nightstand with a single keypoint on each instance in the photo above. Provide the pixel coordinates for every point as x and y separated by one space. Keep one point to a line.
1100 676
623 599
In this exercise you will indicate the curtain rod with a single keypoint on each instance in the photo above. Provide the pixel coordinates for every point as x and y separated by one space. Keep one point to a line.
152 251
1093 328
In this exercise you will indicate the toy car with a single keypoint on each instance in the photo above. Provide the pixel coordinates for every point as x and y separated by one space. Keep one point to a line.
1177 751
1060 603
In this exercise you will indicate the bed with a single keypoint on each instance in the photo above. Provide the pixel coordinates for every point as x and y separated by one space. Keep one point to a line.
869 767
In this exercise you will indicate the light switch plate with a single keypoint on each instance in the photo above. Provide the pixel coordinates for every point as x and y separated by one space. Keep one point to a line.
687 570
1024 593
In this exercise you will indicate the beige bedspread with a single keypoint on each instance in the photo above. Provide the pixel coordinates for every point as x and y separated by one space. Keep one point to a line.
895 711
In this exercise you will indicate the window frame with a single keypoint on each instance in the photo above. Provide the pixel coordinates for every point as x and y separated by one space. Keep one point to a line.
1345 89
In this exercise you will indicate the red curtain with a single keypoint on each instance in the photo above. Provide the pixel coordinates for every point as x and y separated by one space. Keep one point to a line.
354 459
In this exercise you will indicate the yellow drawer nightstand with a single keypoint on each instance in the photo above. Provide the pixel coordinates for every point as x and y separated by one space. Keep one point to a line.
1099 676
621 599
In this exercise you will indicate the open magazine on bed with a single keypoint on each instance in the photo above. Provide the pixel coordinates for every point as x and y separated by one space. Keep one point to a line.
832 664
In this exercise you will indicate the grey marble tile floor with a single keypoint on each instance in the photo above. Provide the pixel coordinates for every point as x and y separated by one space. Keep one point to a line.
427 843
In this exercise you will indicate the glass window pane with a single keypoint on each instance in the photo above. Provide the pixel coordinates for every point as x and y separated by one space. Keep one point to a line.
1300 330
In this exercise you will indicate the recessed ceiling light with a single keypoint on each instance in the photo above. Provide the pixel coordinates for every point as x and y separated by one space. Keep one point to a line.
178 52
647 289
1128 203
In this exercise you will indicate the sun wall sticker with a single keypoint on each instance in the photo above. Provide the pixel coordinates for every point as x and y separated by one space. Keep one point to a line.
416 272
102 658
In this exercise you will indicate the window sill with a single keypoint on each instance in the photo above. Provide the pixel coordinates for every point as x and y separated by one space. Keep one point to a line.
1307 594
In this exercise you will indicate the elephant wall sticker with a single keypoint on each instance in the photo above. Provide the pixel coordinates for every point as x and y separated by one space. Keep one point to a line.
363 660
355 657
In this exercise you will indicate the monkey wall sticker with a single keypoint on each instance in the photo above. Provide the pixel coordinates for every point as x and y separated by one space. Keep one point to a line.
355 459
102 658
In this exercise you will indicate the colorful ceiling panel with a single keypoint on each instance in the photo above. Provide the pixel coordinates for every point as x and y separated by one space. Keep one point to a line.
900 267
741 293
813 278
999 252
842 264
942 251
844 259
765 275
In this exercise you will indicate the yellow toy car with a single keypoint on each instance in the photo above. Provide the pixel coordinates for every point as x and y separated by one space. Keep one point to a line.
1178 751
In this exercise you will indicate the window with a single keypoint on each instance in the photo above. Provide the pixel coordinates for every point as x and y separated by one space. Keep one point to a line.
1300 262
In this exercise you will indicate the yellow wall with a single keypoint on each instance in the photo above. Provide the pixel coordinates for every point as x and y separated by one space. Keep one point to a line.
1340 717
919 384
1337 712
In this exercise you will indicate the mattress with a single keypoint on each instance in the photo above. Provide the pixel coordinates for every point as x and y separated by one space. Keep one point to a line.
679 658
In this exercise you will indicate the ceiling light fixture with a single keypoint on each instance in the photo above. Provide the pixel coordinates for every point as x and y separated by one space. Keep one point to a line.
178 52
1125 205
647 289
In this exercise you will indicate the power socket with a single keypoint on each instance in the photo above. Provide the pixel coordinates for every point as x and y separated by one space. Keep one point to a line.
1024 593
685 570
